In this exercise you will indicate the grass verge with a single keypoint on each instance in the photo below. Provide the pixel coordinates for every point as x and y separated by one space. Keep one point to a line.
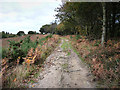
104 63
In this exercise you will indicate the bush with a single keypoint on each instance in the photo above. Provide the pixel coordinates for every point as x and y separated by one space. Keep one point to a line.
49 36
4 52
19 49
78 37
15 50
71 37
20 33
97 43
31 32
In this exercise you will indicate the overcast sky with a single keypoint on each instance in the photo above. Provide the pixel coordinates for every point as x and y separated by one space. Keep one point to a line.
21 15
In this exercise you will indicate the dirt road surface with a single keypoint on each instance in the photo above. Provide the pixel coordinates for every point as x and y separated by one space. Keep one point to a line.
63 70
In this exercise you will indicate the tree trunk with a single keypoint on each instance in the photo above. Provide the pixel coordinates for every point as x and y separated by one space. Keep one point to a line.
113 19
87 32
104 25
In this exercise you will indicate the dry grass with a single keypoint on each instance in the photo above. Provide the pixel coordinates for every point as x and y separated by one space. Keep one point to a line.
104 62
14 80
21 74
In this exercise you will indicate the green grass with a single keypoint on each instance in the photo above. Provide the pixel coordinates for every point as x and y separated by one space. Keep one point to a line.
68 53
78 54
37 74
31 81
20 74
69 45
65 66
65 45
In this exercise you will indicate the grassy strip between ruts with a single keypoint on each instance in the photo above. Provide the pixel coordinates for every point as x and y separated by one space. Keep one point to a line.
68 45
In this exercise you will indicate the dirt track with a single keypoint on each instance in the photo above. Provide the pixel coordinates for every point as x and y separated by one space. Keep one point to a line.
64 71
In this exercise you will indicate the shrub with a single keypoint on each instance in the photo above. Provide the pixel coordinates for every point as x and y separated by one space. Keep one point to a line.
4 52
48 36
15 50
20 33
97 43
31 32
78 37
71 37
20 48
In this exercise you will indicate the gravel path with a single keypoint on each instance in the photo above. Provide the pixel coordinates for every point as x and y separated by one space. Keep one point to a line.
64 71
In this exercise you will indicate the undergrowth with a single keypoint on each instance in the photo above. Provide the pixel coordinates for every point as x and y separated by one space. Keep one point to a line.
16 66
103 62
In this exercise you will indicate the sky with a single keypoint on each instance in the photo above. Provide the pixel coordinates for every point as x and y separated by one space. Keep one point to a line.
26 15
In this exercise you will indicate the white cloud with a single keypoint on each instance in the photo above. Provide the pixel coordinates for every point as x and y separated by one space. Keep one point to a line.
26 16
30 0
10 15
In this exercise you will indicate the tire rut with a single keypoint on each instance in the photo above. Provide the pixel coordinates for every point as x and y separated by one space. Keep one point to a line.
64 71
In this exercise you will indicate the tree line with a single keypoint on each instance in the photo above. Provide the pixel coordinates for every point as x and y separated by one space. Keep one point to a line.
89 19
20 33
93 19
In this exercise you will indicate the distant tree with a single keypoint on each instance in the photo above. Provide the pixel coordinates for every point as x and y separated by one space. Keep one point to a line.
4 34
53 27
7 34
20 33
37 33
42 30
48 28
31 32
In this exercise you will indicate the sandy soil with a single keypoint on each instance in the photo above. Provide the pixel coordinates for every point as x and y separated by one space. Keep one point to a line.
64 71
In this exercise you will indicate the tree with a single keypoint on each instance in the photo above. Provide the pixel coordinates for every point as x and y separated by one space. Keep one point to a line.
87 18
4 34
104 25
20 33
52 28
81 17
42 30
31 32
48 28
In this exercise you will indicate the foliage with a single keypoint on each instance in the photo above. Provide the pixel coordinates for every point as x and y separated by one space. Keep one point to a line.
4 52
78 37
97 43
20 33
85 18
103 62
7 34
16 75
49 36
32 32
71 37
42 30
19 48
48 28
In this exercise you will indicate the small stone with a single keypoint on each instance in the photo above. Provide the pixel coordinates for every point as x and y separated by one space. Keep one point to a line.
88 74
94 79
75 83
